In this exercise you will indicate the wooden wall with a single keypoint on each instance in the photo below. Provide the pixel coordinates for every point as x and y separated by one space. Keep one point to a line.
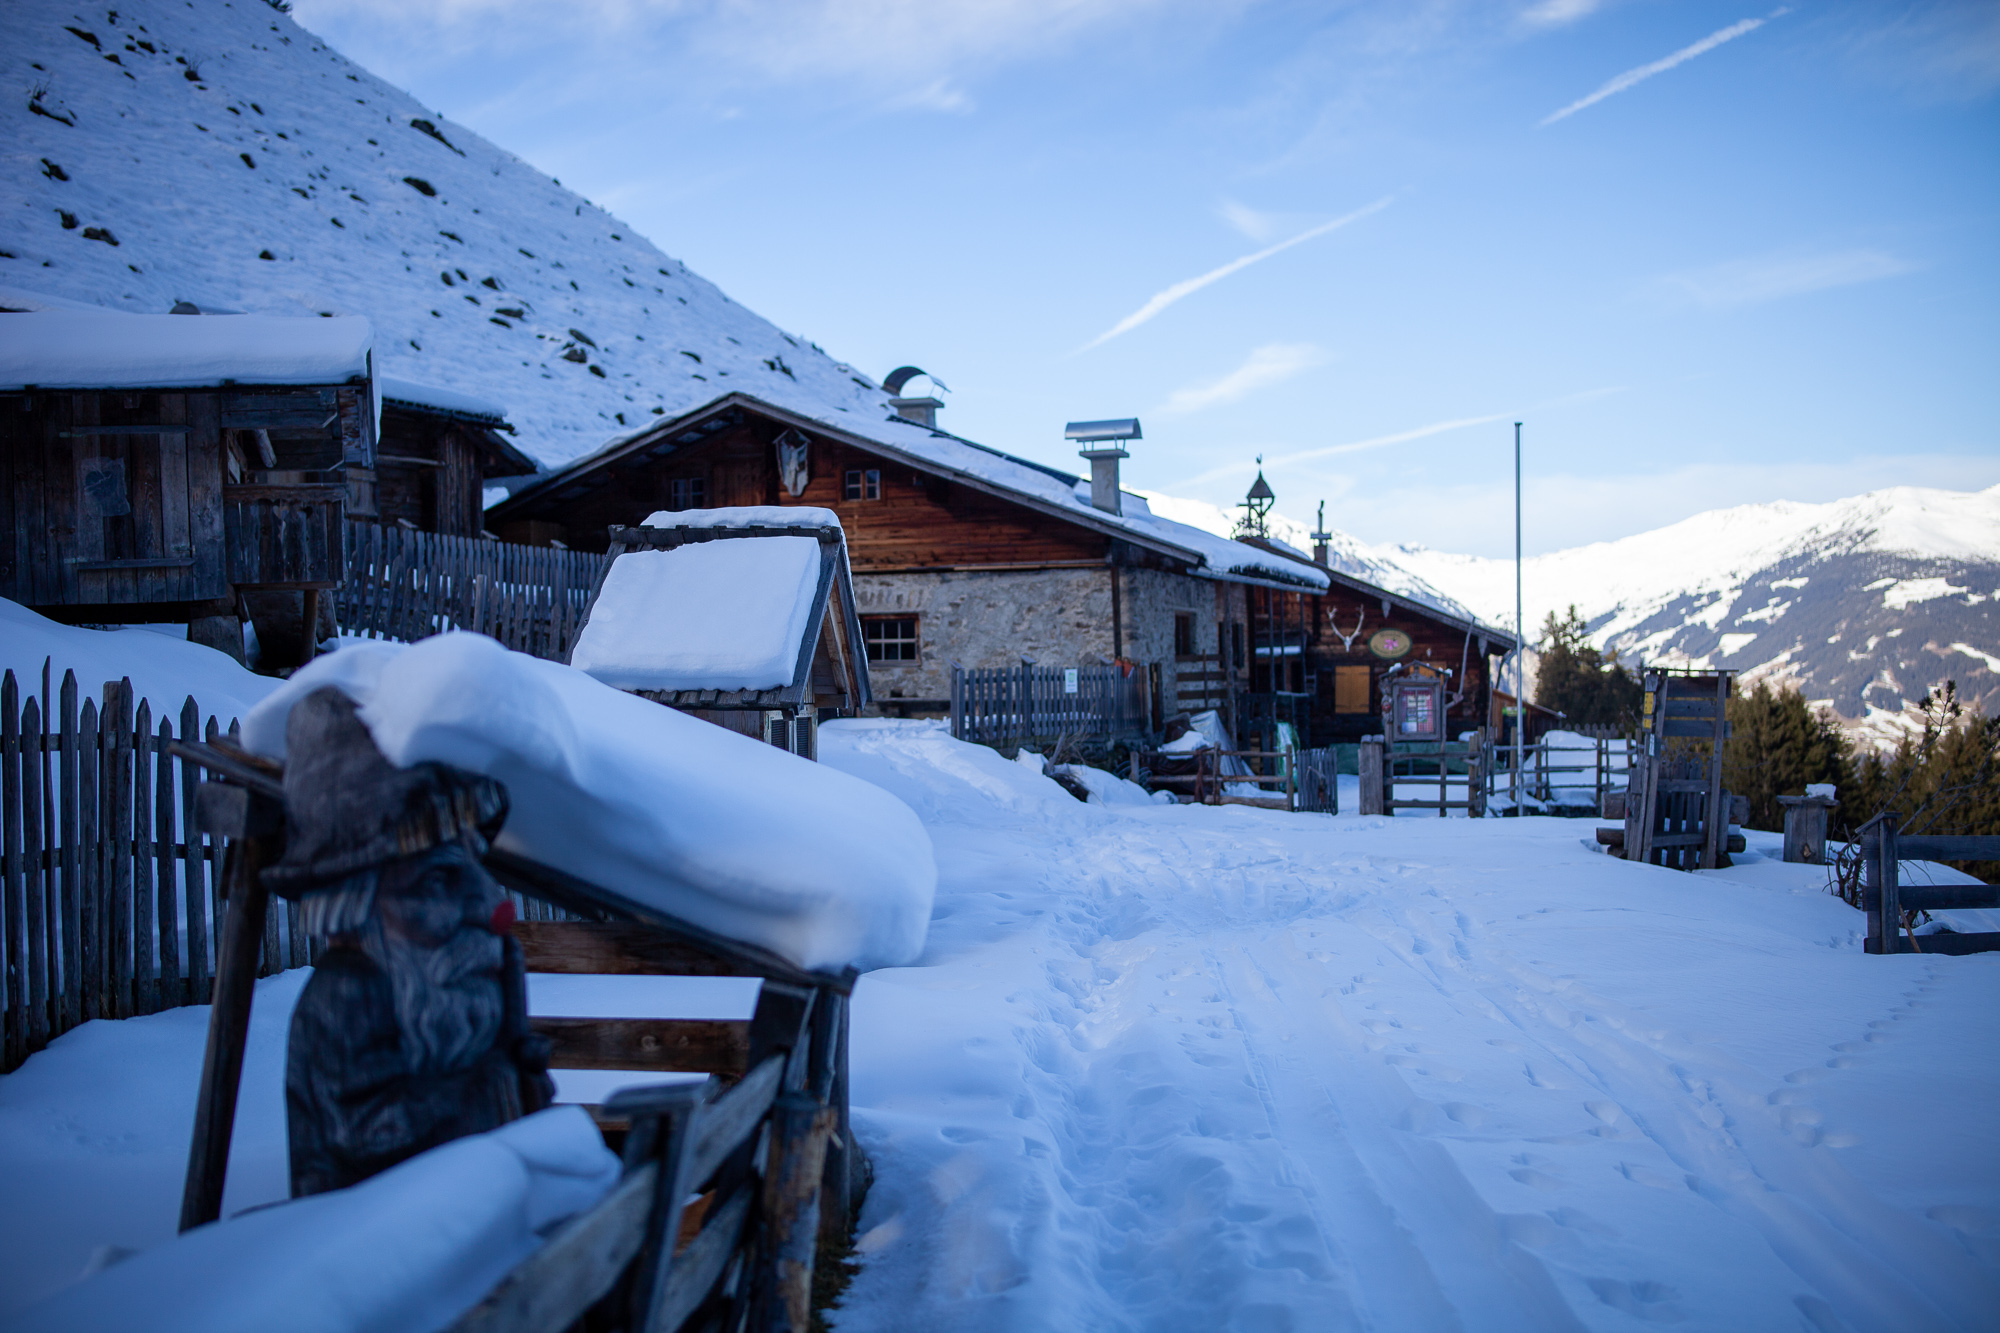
429 473
1431 640
919 522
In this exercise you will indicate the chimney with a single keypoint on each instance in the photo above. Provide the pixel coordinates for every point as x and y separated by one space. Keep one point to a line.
1320 538
923 411
1103 444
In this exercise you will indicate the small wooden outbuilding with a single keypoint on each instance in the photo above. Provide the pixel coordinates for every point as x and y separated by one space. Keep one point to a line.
176 468
439 448
744 617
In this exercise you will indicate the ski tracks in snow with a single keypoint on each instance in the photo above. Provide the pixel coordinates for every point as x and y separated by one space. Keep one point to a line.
1272 1076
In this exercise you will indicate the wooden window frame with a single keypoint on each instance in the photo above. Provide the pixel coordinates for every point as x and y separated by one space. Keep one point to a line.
685 493
874 644
862 483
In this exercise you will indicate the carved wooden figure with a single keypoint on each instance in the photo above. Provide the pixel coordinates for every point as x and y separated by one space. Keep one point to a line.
413 1030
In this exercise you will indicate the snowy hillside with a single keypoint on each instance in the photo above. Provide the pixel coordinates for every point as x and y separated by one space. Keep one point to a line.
1865 602
223 155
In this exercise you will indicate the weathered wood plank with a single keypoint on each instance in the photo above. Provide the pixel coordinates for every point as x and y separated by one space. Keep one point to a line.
35 880
551 1288
693 1272
13 907
1948 847
117 737
702 1046
619 948
70 862
1947 897
726 1122
90 887
145 955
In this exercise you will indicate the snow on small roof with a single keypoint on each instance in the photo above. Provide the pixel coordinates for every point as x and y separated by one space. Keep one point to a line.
710 615
397 392
746 516
71 349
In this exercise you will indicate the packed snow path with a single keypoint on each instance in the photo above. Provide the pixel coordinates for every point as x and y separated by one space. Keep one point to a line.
1230 1069
1233 1069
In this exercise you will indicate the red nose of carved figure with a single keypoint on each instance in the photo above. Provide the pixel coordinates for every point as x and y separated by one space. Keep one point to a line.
502 919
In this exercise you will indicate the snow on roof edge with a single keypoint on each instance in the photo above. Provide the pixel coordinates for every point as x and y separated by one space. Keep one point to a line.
88 349
437 398
746 516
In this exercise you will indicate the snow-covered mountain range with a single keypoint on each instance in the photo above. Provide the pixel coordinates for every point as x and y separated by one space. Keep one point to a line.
220 154
1864 603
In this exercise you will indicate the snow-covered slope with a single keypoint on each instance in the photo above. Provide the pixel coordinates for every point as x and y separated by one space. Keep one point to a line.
286 180
1865 602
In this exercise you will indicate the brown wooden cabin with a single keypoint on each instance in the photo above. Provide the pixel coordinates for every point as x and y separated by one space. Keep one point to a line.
1320 661
439 448
827 673
177 468
960 553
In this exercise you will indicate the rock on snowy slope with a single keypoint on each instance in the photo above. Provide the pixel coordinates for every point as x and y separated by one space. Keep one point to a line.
734 835
223 155
1864 602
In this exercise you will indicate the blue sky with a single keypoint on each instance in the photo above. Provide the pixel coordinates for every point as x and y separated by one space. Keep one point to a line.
1710 253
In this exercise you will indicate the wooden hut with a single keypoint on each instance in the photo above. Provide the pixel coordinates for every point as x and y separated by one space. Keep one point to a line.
183 468
742 616
439 448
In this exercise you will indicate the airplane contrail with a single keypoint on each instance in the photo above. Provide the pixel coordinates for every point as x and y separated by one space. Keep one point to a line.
1161 300
1661 66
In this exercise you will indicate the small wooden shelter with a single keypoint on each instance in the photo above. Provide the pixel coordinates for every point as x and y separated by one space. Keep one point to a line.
175 468
744 617
439 448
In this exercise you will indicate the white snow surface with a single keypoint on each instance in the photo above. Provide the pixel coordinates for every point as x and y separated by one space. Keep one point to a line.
66 349
724 831
391 387
165 670
746 516
1200 1068
712 615
408 1250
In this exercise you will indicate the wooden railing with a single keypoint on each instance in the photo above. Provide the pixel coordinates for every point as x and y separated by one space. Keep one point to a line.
108 894
407 585
1884 847
1015 705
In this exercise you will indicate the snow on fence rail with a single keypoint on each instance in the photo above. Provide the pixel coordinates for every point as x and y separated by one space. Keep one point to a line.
407 585
1014 705
108 895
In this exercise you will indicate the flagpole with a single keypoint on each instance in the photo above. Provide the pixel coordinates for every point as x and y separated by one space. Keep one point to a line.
1520 639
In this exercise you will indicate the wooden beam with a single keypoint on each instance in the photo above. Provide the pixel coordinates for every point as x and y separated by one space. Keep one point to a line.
664 1045
619 948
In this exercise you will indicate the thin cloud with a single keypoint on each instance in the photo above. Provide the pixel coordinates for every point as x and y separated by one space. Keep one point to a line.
1161 300
1636 76
1754 281
1270 364
1554 13
1253 224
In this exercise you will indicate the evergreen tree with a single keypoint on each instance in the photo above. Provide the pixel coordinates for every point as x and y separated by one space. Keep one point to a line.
1581 683
1947 780
1777 746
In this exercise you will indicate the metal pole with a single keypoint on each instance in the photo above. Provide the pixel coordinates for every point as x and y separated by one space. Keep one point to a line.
1520 638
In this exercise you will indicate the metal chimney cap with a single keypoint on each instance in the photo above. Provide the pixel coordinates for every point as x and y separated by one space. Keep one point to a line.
1121 428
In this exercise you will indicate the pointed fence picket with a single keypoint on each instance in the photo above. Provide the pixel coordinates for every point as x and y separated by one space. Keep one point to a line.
108 893
1017 705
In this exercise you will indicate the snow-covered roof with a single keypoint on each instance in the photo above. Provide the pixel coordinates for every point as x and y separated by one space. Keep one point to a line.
72 349
1034 484
709 615
734 835
747 516
398 392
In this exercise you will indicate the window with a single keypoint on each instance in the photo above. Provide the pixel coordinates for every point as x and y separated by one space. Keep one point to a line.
1183 634
889 638
863 484
1350 689
687 493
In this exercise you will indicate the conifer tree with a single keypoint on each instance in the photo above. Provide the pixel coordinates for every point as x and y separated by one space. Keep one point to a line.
1583 684
1779 745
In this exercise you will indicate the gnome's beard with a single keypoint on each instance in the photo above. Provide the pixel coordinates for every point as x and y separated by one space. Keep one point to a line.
449 1002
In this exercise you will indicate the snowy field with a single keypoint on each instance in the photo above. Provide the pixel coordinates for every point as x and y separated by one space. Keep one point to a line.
1232 1069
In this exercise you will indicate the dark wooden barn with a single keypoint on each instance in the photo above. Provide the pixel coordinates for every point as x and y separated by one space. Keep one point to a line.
439 448
177 468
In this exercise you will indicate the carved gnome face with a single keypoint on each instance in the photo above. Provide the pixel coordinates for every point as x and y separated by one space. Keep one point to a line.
387 860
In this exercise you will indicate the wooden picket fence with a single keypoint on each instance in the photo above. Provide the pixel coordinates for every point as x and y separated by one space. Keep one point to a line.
407 585
1015 705
108 898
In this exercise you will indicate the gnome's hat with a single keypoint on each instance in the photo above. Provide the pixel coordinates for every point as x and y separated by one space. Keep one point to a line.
348 808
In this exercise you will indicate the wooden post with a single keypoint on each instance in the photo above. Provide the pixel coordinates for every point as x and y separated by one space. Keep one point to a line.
1715 819
228 1028
1371 765
800 1126
1805 828
1889 855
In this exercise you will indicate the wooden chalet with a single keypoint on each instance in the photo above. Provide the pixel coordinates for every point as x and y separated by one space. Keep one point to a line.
961 554
183 468
1331 664
742 616
439 447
